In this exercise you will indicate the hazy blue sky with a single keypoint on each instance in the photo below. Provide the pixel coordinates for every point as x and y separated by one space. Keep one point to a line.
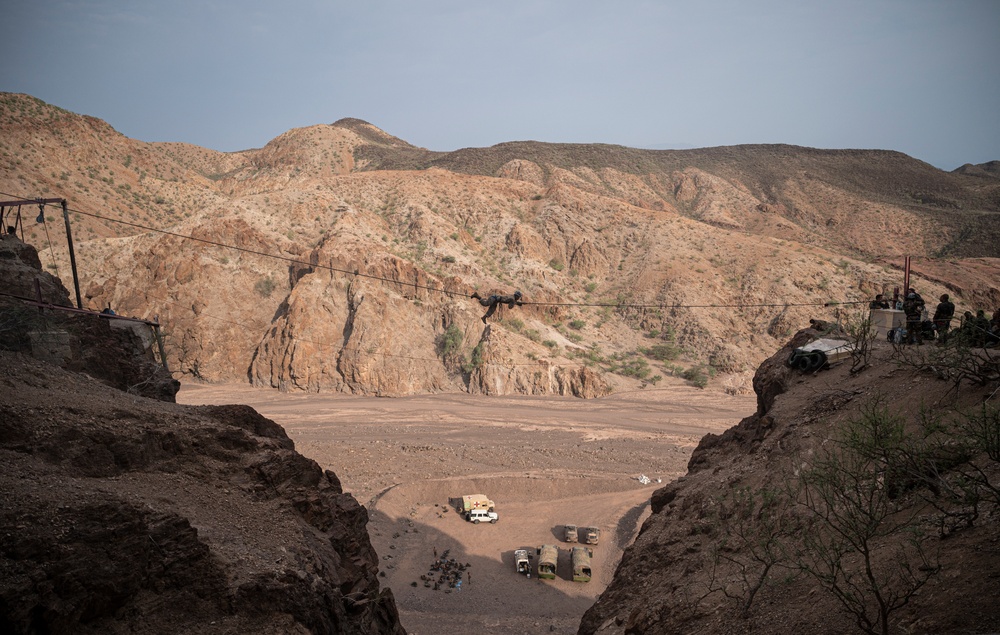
918 76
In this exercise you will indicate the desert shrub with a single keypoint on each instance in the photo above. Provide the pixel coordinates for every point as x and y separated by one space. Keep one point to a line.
628 364
696 375
577 324
448 259
662 352
861 334
449 343
850 515
265 287
475 360
557 265
755 528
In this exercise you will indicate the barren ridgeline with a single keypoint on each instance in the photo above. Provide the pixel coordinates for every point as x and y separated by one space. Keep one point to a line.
546 462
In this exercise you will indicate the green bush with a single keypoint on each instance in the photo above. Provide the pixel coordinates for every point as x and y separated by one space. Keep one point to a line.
476 360
662 352
265 287
696 375
577 324
450 342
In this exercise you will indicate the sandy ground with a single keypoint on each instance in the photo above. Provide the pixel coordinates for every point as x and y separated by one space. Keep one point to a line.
545 461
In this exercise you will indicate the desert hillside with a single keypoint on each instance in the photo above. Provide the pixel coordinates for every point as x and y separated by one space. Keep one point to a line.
340 258
849 502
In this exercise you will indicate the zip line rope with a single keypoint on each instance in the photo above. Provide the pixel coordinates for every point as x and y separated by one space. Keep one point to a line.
617 305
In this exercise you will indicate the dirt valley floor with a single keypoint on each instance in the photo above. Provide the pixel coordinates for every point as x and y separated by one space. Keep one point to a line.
545 461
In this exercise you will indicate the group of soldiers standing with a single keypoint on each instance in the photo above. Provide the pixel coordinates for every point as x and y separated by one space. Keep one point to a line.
974 330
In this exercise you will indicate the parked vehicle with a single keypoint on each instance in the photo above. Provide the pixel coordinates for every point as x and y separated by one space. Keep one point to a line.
569 534
522 562
475 501
477 516
581 564
591 535
548 559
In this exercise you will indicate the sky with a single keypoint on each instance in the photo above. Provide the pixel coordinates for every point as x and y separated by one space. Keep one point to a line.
916 76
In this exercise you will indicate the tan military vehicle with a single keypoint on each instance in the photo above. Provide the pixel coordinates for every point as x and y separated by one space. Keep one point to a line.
591 535
475 501
569 534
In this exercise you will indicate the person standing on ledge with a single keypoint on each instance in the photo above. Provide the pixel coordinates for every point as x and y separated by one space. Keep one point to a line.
913 307
942 317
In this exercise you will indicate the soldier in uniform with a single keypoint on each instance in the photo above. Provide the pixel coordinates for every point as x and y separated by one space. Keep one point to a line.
879 302
913 307
942 316
492 301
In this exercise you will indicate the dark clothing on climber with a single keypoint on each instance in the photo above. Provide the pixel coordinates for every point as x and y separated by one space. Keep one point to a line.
494 300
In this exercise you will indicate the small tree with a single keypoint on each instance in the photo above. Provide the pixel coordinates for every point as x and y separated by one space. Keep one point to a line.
754 526
853 523
861 333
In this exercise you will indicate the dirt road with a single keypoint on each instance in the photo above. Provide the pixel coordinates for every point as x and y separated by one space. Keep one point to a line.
545 461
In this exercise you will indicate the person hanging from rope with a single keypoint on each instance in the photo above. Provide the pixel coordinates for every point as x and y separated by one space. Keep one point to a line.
494 300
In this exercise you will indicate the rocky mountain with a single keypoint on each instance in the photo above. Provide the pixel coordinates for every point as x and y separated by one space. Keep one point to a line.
849 502
124 514
339 257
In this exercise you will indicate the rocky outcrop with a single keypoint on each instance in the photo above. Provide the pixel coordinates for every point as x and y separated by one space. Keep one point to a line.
499 373
122 516
371 334
118 351
523 171
379 332
23 275
706 562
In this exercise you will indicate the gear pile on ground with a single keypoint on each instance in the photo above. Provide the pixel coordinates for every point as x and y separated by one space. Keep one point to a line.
445 573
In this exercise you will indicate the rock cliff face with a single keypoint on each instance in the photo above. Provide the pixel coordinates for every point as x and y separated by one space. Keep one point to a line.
119 352
733 546
124 515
